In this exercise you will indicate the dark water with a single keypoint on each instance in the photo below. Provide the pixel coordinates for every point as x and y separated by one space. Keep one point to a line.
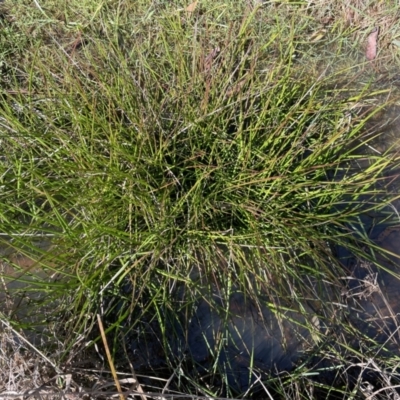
228 337
230 340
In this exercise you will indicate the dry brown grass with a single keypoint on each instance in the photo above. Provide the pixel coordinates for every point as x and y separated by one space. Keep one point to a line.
27 373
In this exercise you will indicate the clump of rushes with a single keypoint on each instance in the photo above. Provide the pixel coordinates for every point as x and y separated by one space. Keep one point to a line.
185 139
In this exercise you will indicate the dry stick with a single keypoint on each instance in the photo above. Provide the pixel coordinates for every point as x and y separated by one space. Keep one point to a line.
110 361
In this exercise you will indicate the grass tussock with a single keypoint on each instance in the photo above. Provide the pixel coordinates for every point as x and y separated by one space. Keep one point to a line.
169 157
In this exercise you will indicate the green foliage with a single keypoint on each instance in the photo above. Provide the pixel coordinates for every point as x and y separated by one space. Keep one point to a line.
146 143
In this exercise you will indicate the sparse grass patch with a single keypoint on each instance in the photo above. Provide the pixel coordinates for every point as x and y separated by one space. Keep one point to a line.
175 159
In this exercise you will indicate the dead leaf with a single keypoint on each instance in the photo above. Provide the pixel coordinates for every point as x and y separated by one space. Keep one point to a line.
191 7
372 44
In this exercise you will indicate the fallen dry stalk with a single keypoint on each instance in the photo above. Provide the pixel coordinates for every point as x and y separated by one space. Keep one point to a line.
110 361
